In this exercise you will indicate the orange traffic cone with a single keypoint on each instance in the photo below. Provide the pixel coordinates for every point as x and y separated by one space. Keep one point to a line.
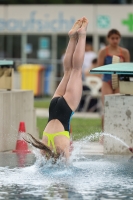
21 145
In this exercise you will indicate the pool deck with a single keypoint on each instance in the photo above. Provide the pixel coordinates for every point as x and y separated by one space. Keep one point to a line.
92 148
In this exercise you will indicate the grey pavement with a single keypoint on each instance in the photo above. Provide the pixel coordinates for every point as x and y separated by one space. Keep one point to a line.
92 148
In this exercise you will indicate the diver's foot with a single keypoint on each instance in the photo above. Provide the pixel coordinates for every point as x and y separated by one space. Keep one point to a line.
82 30
74 29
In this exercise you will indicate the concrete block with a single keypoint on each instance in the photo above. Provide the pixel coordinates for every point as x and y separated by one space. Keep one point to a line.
118 121
16 80
15 106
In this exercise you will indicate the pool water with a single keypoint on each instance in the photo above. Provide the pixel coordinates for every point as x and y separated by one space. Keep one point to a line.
90 177
86 177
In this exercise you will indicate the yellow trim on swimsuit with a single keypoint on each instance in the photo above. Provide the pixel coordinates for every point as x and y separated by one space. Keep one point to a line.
52 135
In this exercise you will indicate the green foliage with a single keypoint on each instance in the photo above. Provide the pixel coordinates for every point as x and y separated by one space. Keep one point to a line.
43 103
41 123
84 127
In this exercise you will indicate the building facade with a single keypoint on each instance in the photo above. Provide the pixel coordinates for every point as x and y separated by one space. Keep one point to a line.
40 31
35 33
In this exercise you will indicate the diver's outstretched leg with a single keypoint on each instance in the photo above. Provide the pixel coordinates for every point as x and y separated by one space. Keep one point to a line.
74 87
67 62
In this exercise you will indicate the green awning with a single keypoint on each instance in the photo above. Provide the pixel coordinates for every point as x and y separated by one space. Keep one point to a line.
116 68
6 62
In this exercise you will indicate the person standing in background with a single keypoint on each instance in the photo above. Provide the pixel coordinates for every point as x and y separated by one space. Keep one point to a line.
105 57
87 63
94 64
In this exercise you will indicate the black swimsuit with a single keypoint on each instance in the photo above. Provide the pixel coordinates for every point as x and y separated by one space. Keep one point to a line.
59 109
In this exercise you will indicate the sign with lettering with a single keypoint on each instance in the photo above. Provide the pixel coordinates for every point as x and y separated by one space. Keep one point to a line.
54 19
44 19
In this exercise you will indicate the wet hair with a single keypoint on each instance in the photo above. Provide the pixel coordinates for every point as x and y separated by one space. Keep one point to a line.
47 151
113 31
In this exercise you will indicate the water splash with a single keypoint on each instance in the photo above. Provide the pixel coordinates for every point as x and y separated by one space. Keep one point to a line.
42 162
116 138
94 137
77 148
119 140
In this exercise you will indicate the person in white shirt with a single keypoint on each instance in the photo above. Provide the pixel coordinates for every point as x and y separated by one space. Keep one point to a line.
90 55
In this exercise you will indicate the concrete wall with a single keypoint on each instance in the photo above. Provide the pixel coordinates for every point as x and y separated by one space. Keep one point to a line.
15 106
118 121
